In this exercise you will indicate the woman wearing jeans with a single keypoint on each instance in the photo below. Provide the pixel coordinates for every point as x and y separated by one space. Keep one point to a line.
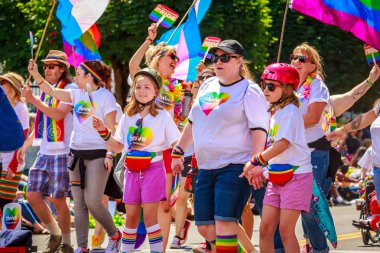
227 124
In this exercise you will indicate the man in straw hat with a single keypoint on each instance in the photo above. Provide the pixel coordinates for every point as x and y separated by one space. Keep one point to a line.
49 175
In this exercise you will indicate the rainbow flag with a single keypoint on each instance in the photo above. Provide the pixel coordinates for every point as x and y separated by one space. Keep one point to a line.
161 10
371 55
86 47
360 17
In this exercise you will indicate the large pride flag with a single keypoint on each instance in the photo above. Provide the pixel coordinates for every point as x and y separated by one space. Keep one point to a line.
77 16
86 47
360 17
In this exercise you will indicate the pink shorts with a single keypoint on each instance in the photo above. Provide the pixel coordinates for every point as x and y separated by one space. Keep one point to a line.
145 186
295 194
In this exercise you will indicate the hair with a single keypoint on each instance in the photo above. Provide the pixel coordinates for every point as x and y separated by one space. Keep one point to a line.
358 154
66 73
154 53
134 106
103 71
209 69
244 70
32 120
314 58
288 97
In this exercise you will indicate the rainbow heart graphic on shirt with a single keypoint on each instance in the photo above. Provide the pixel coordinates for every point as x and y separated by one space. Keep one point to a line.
83 110
139 140
211 100
11 217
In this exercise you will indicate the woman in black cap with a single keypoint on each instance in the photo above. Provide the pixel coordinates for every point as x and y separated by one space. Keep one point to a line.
227 124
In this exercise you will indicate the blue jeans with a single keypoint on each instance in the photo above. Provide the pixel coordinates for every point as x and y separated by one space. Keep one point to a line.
320 162
258 195
220 195
376 181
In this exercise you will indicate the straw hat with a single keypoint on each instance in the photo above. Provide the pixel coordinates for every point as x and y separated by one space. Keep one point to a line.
14 79
56 55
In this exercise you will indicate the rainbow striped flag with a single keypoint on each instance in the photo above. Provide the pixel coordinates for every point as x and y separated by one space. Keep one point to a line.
160 11
372 55
86 47
360 17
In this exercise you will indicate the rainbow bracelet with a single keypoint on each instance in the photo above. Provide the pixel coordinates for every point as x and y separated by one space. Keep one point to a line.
105 134
177 152
258 160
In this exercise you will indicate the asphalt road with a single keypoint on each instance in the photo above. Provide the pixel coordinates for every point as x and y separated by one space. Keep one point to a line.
349 238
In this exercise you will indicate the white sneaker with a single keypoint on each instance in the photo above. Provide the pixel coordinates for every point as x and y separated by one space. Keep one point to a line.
114 245
176 244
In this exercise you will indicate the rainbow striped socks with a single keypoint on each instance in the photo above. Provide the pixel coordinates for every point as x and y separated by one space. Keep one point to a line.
128 240
155 238
226 244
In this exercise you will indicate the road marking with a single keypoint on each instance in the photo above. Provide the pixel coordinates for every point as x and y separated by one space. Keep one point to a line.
341 237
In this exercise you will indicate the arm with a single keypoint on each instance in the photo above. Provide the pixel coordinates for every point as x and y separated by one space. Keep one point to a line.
360 122
110 121
21 152
60 94
314 114
55 113
112 143
277 148
343 102
137 58
184 142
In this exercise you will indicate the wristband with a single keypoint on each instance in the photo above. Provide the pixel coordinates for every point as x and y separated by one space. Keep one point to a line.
177 152
369 83
105 134
39 84
258 160
109 157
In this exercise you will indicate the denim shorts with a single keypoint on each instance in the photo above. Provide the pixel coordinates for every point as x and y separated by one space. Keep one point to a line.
220 195
376 181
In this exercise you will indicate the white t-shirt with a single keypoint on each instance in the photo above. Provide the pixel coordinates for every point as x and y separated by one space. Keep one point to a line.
23 115
375 136
366 161
85 136
318 93
287 123
157 134
222 118
47 149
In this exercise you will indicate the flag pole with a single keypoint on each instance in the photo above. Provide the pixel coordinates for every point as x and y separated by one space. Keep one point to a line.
282 30
43 36
183 18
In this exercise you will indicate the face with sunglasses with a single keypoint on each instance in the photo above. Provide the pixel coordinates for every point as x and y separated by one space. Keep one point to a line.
167 62
53 71
272 90
226 66
302 62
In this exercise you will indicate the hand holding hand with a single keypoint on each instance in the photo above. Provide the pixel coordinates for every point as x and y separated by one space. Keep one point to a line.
177 165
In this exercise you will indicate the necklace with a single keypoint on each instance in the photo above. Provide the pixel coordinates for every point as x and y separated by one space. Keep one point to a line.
175 89
306 86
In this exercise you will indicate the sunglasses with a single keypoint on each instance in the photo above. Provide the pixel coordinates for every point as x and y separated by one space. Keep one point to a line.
223 58
51 66
203 78
173 56
137 131
300 58
270 86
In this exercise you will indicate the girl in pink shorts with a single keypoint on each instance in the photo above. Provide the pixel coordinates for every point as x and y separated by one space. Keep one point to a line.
288 160
144 131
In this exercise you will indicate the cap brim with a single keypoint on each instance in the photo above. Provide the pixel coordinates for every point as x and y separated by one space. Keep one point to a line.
60 61
10 81
225 49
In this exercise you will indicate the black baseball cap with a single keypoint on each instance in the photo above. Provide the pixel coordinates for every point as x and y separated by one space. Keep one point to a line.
229 46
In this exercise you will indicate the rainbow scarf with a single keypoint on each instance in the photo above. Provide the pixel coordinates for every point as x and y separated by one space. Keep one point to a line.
54 129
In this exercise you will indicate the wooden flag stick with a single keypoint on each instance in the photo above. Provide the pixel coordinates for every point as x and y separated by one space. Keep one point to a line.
204 57
183 18
282 31
42 37
374 59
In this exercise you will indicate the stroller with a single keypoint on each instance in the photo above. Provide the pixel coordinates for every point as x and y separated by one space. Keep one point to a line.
363 205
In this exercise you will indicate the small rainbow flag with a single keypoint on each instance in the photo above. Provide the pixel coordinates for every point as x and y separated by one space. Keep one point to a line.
209 42
164 15
372 55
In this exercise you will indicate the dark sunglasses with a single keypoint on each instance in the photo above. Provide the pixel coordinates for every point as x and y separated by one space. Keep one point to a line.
270 86
300 58
137 131
50 66
223 58
203 78
173 56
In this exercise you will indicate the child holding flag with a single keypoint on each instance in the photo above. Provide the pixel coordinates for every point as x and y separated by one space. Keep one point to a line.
290 183
144 131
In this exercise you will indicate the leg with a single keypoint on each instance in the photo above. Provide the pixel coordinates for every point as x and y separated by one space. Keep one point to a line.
164 211
153 229
247 219
268 225
181 211
63 218
288 220
130 228
244 239
226 236
98 237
